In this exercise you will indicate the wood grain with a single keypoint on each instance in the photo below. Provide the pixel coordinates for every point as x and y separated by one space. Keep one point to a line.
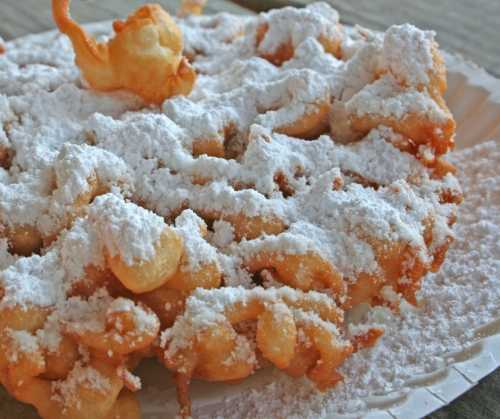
21 17
470 27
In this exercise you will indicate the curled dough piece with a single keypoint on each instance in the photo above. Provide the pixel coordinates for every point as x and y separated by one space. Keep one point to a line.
18 362
311 125
281 31
186 280
128 328
29 318
89 391
347 126
145 276
307 272
406 95
291 327
277 335
145 56
168 301
246 227
286 50
414 114
401 268
60 362
94 279
5 152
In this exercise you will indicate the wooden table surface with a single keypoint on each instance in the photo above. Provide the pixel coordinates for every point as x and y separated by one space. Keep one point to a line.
470 27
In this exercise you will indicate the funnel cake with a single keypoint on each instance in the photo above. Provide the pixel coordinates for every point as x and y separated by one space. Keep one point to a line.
229 224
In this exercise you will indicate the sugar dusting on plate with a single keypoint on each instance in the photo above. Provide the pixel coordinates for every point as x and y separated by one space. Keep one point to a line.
463 296
453 303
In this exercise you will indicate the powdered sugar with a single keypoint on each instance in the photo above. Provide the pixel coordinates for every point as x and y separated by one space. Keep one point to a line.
81 247
143 321
77 163
384 97
207 308
24 343
273 102
223 233
67 142
148 155
126 230
408 53
197 251
81 376
153 151
79 315
6 259
290 25
464 295
33 281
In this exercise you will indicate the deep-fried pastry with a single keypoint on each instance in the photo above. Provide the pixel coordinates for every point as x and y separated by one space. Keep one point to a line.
293 328
145 55
220 222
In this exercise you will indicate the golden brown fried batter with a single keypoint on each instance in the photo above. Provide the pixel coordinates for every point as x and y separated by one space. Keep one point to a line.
144 56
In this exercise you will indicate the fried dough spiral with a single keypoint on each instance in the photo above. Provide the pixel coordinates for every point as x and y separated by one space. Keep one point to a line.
144 57
298 332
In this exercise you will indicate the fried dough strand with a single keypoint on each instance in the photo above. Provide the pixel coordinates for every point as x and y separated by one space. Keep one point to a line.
144 56
300 333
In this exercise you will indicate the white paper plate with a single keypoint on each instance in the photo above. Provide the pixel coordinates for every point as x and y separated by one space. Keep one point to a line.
474 98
